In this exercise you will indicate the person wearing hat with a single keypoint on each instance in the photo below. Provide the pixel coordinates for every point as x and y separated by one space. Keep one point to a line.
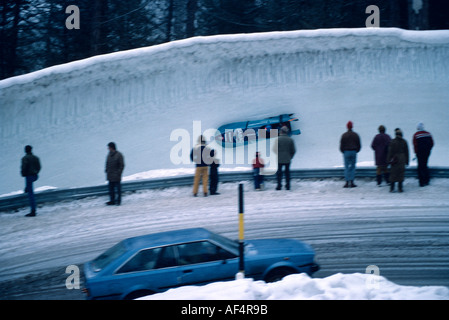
380 146
30 168
285 149
114 168
423 144
350 145
398 157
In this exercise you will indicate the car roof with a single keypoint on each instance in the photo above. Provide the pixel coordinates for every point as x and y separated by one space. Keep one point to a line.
168 238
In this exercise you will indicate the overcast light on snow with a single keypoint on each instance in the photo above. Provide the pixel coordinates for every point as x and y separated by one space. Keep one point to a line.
137 98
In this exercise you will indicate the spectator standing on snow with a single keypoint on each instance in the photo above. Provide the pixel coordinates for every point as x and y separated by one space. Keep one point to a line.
398 157
258 165
114 168
29 169
213 174
423 144
285 149
200 155
380 146
350 145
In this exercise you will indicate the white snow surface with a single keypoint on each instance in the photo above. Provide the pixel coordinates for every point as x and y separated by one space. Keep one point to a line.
339 286
136 98
348 228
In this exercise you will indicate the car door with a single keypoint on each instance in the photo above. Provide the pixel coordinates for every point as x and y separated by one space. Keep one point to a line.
203 262
151 269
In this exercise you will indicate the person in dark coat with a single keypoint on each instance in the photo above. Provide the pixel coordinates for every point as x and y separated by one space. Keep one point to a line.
398 157
380 146
350 145
285 149
30 168
213 174
114 168
423 144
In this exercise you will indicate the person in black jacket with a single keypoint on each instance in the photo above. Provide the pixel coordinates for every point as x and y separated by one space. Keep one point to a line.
213 174
423 144
30 168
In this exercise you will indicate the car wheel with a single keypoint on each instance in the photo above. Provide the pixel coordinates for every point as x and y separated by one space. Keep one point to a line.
138 294
278 274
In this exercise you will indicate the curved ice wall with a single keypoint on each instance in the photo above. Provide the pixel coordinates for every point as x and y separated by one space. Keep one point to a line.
138 97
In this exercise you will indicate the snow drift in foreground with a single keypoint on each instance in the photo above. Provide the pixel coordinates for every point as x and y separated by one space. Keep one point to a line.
137 98
339 286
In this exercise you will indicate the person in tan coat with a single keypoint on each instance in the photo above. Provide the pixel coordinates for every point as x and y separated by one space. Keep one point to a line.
200 155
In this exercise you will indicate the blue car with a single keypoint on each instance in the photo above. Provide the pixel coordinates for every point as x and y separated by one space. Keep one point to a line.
154 263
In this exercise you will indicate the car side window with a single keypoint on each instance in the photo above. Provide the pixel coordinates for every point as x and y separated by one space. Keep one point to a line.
202 251
143 260
166 258
149 259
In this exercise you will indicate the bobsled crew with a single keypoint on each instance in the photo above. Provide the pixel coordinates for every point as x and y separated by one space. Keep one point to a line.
243 132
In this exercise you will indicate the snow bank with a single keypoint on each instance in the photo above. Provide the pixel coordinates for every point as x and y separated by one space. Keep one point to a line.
138 97
152 174
340 286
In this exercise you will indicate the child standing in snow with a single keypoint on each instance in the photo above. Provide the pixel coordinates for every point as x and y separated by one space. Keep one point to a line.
258 164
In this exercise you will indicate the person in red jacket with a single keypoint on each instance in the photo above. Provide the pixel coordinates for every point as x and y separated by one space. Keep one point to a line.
423 144
258 164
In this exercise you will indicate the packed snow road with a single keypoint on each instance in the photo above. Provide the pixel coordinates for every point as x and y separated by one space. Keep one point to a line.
406 235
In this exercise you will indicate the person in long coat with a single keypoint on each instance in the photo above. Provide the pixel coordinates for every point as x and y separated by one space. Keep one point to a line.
398 156
423 144
285 149
114 168
380 146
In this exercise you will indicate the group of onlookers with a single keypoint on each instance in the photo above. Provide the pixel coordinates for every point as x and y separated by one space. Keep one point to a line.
391 158
391 155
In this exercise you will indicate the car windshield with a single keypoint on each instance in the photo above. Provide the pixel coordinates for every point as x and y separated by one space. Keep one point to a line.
108 256
226 243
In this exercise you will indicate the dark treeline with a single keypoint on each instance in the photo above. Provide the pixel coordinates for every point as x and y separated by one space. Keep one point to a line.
33 33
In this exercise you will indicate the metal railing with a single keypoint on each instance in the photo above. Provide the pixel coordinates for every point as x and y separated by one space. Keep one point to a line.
11 203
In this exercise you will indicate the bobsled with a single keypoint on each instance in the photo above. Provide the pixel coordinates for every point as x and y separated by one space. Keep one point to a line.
244 132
